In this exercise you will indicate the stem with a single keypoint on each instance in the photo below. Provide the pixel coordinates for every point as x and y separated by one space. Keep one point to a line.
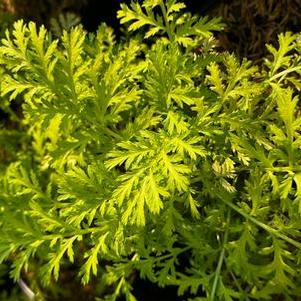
75 233
242 292
137 258
286 169
220 261
284 72
112 133
262 225
164 12
26 290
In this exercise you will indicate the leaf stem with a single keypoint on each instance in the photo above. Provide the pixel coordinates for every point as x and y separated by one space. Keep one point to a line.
164 12
220 261
77 232
262 225
284 72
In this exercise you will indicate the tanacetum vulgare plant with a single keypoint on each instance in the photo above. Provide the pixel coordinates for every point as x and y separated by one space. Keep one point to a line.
151 157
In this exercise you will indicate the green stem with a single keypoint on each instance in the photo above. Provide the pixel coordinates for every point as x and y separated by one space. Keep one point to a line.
164 12
286 169
242 292
262 225
112 134
75 233
284 72
160 258
220 261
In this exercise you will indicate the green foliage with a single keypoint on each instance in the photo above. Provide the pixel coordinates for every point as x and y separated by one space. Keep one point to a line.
152 159
171 23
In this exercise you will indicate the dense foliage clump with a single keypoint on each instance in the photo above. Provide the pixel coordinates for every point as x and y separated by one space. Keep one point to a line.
152 157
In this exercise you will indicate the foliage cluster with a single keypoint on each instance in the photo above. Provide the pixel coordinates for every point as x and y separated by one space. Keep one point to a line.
152 157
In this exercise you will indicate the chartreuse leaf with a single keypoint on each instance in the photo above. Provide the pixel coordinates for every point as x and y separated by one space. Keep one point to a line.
281 56
182 28
233 84
91 264
52 268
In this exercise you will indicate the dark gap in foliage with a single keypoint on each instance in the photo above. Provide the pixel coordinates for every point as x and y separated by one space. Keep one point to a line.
6 283
97 12
147 291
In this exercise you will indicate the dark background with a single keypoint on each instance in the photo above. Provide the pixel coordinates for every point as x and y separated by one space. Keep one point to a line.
250 24
95 11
